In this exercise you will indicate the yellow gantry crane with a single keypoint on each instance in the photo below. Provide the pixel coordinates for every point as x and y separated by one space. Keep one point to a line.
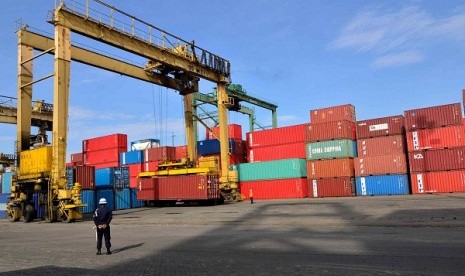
171 62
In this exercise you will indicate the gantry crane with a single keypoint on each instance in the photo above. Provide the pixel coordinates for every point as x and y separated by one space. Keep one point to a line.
171 62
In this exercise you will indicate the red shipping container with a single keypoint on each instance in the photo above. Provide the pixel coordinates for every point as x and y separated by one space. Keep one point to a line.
438 182
275 189
330 131
284 151
437 138
77 157
134 169
276 136
386 145
234 132
106 142
180 152
392 125
145 188
343 167
103 156
133 182
106 165
333 113
332 187
150 166
380 165
187 187
433 117
85 175
437 160
160 154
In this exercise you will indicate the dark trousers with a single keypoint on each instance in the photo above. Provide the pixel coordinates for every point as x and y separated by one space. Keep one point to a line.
251 200
100 234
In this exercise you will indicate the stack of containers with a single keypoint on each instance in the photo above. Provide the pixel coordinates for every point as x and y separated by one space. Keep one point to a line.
113 184
276 167
381 165
104 151
436 144
330 149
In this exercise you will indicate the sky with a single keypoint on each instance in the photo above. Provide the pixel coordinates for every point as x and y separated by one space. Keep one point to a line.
384 57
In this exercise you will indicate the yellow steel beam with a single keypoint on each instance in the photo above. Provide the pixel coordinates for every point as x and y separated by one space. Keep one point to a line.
43 43
24 96
8 115
190 131
105 33
179 172
224 139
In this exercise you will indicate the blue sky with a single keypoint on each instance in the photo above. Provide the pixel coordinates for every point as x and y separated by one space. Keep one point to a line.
381 56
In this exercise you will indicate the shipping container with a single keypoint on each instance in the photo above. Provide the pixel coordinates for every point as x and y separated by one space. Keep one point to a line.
131 157
433 117
146 188
331 149
7 178
437 160
77 159
276 136
135 203
379 165
4 199
69 177
106 142
117 177
35 161
133 182
89 197
122 199
332 187
149 167
39 199
180 152
385 126
277 169
105 165
145 144
160 154
209 147
135 169
234 132
275 189
109 195
437 138
396 184
332 114
386 145
85 175
330 131
438 182
343 167
284 151
95 158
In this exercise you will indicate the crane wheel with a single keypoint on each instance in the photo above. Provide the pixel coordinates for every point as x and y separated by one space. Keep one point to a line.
53 217
15 214
29 214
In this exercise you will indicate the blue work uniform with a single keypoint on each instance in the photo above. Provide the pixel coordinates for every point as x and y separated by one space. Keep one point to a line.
103 216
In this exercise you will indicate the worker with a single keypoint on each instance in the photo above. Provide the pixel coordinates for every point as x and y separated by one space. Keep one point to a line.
102 219
251 196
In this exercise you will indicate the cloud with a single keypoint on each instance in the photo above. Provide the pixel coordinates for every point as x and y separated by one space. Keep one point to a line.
397 59
83 114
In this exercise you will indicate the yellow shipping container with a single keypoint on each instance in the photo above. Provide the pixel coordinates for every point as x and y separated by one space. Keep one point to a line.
35 161
209 162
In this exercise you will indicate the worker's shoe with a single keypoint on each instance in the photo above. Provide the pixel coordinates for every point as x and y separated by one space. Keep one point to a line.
108 252
99 252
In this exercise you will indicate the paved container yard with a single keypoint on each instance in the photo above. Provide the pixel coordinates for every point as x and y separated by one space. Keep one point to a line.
328 236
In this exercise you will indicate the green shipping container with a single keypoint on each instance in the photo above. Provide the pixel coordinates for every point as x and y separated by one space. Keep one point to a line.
277 169
331 149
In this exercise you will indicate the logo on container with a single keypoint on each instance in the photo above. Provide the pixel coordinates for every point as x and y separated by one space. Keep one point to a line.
418 156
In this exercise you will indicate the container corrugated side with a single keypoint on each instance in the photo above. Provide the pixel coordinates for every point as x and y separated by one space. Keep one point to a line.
277 169
343 167
438 182
122 199
85 175
4 199
180 152
234 132
383 185
109 195
95 158
135 203
77 157
209 147
131 157
433 117
437 138
275 189
392 125
331 149
437 160
379 165
187 187
332 187
39 199
146 189
386 145
160 154
330 131
117 140
333 113
268 153
7 178
104 178
135 169
89 198
276 136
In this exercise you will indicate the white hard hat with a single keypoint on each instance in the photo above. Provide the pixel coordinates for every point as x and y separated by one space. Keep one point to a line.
102 201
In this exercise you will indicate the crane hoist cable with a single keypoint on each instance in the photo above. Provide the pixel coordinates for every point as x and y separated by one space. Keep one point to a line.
154 110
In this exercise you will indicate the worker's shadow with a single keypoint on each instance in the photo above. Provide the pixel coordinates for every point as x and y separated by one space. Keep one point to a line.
127 248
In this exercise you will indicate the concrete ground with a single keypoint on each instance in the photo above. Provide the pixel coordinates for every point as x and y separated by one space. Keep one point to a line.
329 236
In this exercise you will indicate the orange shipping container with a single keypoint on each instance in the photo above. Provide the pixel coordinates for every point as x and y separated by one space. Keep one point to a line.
343 167
275 188
436 138
393 125
333 113
234 132
378 165
332 187
386 145
438 182
433 117
330 131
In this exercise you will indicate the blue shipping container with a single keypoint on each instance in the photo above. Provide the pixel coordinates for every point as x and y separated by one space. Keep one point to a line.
6 182
122 199
131 157
69 177
397 184
39 199
135 203
4 199
88 197
209 147
117 177
109 195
